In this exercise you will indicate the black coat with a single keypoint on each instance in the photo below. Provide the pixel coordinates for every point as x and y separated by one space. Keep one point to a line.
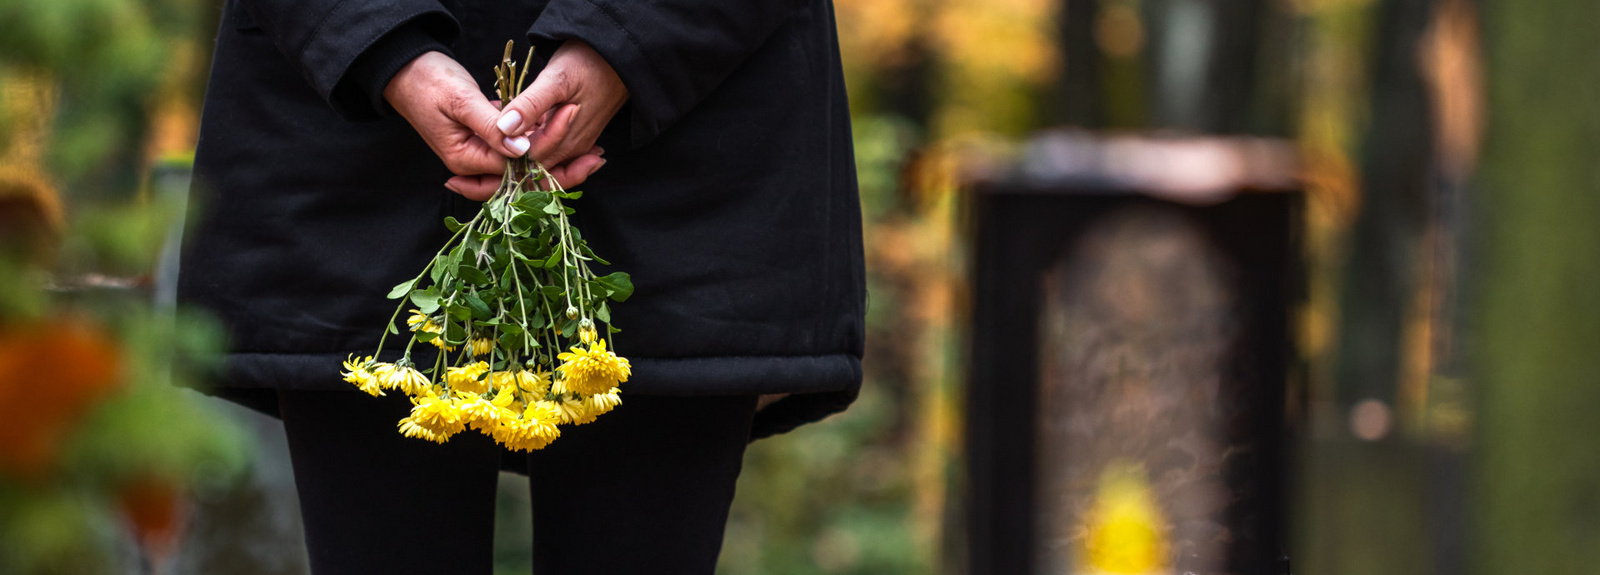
729 192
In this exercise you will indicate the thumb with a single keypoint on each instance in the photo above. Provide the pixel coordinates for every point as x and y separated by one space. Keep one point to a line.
550 88
473 110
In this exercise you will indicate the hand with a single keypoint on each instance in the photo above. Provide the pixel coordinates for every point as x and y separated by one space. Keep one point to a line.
574 97
444 105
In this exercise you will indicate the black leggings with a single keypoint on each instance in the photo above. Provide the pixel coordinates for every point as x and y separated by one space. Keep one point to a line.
645 489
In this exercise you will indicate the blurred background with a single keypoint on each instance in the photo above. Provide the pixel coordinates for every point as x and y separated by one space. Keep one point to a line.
1157 286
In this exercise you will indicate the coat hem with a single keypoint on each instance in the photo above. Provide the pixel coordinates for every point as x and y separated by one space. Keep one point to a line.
714 375
817 385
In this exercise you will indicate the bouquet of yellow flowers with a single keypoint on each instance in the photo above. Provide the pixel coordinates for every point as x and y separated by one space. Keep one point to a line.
502 298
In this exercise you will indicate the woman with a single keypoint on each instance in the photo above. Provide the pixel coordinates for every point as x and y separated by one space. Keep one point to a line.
333 134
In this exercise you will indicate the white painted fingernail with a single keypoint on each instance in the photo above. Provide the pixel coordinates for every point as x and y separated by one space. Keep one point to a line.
508 122
518 144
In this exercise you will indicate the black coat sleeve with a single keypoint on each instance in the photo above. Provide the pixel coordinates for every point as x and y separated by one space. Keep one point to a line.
669 53
323 39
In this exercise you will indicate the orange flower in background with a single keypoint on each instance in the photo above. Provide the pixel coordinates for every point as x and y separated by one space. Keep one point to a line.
153 507
50 375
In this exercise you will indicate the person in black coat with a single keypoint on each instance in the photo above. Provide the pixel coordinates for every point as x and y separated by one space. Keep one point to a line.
332 136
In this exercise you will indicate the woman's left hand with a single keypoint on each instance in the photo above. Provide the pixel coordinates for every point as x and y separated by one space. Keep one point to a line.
567 105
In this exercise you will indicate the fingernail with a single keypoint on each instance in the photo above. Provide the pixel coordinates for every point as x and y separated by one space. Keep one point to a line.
508 122
518 144
597 167
599 151
449 186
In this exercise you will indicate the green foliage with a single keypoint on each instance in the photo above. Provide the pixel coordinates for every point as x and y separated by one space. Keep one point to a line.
144 427
518 272
1539 306
107 60
832 497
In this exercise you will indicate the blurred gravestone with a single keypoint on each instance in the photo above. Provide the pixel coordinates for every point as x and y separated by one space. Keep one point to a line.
1131 356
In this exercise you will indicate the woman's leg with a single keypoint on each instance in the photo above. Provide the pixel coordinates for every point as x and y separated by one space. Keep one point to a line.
645 489
374 501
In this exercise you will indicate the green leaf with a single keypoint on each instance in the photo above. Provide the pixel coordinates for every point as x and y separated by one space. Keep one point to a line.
553 292
553 208
584 249
459 311
555 258
603 313
472 274
521 223
480 310
426 336
528 249
569 327
455 333
401 290
620 284
532 201
510 329
451 224
571 195
512 342
427 300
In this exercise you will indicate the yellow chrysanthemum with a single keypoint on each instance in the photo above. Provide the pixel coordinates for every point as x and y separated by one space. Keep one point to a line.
588 334
536 383
480 346
467 377
534 429
359 372
572 410
591 371
440 343
420 322
476 412
432 418
602 403
502 380
406 379
505 398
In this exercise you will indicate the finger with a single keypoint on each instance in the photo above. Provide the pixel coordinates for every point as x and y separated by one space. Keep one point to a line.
473 156
578 170
546 144
475 112
549 89
475 188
